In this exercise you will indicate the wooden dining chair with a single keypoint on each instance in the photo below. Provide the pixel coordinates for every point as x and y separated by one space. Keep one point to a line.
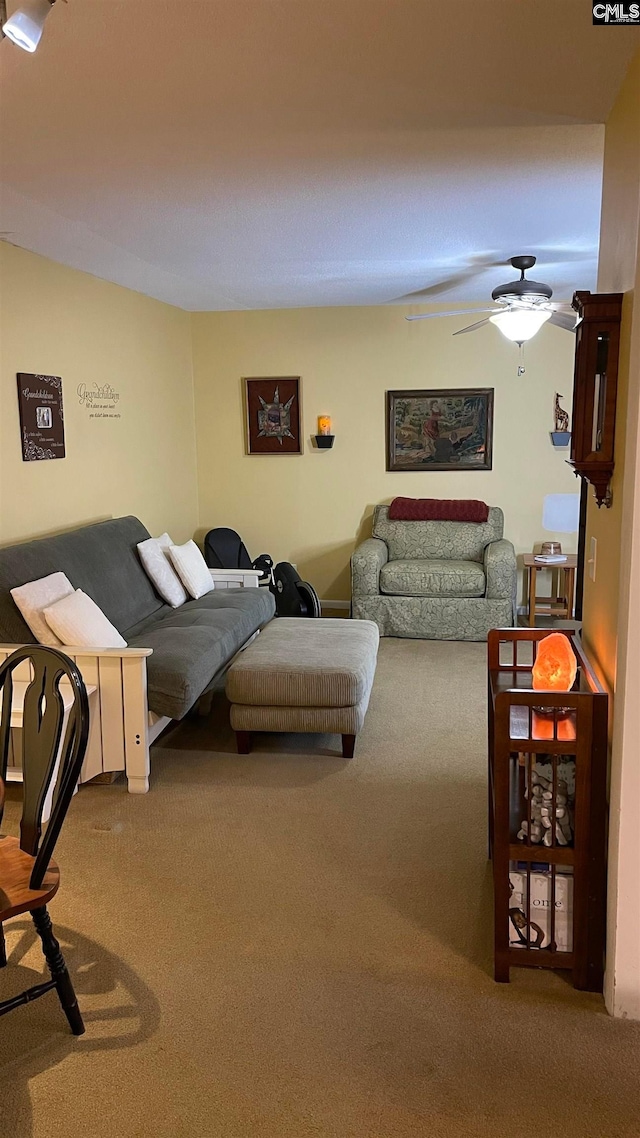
54 741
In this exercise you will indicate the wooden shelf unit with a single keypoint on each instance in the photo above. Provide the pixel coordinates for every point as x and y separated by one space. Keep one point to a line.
576 725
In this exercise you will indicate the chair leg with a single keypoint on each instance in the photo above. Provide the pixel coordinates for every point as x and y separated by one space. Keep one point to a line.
58 969
3 949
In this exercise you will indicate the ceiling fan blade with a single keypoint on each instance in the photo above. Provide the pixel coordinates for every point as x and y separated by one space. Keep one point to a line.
441 286
557 255
477 263
472 327
562 320
456 312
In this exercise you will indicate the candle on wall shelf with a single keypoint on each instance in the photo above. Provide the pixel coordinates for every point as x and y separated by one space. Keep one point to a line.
324 438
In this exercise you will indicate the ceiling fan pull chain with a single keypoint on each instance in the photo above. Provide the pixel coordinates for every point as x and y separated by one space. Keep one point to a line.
521 368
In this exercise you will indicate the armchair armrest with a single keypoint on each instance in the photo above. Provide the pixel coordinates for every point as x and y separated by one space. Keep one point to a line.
500 571
366 563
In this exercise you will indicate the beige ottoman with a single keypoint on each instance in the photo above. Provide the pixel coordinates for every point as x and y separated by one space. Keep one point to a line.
304 675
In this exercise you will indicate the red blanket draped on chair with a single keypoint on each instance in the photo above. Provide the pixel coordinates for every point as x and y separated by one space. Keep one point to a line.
438 510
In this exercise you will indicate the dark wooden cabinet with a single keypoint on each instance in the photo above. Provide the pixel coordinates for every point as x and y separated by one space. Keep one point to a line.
547 812
595 388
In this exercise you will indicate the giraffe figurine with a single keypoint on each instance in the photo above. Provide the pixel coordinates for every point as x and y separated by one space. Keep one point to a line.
562 416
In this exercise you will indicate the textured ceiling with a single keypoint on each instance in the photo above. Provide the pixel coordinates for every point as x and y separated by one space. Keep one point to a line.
226 154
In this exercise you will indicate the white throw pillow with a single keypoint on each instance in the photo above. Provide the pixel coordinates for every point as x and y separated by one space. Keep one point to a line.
160 571
34 597
191 568
77 620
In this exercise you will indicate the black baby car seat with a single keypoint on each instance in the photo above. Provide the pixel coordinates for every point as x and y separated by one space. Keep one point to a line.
224 549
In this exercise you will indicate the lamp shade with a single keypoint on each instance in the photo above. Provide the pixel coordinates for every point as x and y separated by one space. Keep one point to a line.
561 513
25 26
520 324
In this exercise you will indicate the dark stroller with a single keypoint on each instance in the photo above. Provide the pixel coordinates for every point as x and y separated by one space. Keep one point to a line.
225 549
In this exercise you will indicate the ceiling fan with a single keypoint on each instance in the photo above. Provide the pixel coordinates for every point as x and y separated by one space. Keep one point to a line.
521 308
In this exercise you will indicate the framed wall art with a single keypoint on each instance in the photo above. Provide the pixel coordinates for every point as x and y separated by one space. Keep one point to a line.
273 419
444 429
41 416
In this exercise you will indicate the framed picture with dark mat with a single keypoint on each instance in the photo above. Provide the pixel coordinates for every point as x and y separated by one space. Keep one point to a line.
273 418
41 416
442 429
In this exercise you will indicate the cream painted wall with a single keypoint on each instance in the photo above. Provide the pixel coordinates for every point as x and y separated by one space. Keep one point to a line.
612 601
59 321
313 509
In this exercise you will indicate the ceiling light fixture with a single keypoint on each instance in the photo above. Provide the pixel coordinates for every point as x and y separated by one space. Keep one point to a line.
25 26
520 324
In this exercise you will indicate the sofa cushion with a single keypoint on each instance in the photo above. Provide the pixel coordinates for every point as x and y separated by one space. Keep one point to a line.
33 598
77 620
100 559
191 644
154 555
191 568
432 579
437 540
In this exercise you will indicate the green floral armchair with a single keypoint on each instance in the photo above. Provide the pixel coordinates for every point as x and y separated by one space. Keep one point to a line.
435 580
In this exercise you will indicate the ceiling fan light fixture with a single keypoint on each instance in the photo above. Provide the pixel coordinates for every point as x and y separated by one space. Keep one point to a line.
520 324
25 26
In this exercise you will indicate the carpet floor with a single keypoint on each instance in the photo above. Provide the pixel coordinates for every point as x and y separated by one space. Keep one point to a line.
289 944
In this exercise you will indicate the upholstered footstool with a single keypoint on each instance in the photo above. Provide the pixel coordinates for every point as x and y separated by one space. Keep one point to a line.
304 675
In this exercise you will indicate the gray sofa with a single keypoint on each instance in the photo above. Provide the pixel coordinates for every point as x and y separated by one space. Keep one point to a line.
173 657
435 580
191 644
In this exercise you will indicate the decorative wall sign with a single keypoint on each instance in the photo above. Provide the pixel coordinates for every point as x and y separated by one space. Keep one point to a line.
100 402
273 415
448 429
41 416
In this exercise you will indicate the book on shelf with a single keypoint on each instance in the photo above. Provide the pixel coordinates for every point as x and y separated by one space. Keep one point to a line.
542 900
550 558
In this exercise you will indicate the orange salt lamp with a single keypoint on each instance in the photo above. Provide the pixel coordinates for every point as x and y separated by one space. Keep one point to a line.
556 666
